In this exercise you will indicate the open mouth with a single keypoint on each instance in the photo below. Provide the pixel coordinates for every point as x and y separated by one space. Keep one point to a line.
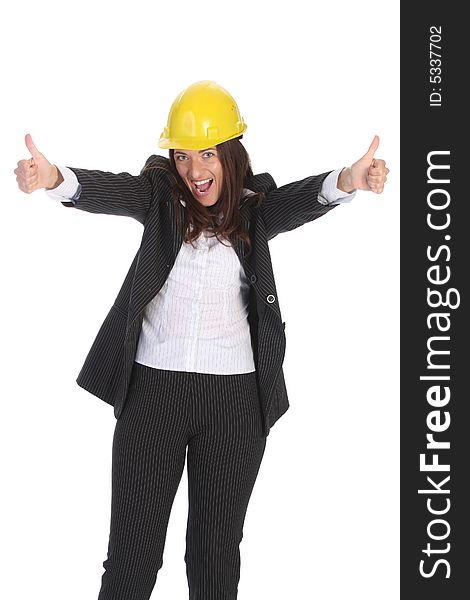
202 188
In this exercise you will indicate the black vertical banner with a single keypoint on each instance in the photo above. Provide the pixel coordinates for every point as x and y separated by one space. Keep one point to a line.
435 269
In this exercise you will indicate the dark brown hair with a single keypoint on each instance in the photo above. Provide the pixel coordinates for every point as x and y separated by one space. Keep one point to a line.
237 170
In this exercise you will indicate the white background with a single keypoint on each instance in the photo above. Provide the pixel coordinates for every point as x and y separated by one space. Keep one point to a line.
93 82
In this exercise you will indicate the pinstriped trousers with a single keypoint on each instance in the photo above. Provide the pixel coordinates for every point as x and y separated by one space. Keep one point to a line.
217 419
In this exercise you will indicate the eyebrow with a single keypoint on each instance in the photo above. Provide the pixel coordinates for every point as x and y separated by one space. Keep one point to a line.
205 150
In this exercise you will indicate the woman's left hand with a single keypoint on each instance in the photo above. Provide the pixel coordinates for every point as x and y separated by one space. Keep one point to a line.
368 173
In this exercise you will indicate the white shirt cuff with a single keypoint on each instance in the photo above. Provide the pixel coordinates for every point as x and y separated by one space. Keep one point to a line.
330 194
68 188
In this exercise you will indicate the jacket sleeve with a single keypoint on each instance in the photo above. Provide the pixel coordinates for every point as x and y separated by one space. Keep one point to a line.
121 194
291 205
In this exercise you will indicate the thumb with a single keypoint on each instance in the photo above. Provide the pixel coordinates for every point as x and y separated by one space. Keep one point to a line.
372 148
31 146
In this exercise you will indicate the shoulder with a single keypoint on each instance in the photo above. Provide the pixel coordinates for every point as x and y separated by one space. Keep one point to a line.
158 168
262 182
155 161
255 189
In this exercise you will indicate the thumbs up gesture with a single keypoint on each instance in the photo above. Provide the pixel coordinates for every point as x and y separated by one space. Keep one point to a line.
368 173
36 172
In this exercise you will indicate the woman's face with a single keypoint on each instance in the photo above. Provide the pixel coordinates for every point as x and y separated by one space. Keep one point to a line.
196 167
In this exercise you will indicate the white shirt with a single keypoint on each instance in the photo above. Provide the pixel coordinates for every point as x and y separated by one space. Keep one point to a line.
198 321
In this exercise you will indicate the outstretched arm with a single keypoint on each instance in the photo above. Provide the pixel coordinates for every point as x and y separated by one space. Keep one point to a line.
296 203
103 192
98 191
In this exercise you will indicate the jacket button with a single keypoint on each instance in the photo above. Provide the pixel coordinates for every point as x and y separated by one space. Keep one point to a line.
270 298
253 278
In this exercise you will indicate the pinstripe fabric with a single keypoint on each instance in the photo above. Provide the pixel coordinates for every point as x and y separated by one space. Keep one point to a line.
147 198
217 420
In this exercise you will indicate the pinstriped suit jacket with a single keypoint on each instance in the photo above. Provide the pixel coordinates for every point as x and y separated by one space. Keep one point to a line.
148 199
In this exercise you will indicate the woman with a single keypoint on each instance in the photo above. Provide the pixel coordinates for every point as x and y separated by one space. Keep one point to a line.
190 354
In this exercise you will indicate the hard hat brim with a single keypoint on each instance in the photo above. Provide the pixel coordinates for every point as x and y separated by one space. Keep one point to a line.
195 143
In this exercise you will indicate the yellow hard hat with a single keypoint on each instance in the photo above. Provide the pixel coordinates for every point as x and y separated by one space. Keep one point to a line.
202 115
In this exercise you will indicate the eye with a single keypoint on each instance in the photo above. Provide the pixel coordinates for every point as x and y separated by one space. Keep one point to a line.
178 156
207 153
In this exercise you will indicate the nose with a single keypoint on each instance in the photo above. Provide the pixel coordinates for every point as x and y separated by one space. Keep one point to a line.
196 168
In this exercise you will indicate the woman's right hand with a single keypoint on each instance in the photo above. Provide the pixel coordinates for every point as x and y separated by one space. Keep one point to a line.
36 172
